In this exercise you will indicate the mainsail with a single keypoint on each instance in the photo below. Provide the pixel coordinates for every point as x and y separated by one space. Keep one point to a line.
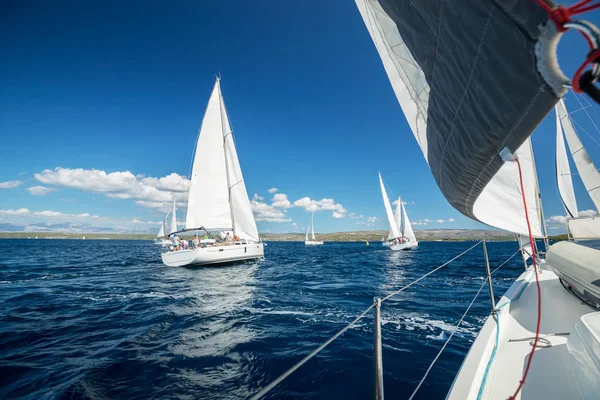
312 225
173 217
397 219
579 227
563 171
585 166
218 198
388 210
463 102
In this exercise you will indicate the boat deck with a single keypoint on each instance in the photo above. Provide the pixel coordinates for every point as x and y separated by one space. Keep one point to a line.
550 375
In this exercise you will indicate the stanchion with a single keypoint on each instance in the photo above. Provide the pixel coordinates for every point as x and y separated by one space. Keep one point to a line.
377 352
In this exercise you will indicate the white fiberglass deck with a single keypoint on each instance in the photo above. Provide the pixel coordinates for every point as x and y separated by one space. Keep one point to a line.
550 375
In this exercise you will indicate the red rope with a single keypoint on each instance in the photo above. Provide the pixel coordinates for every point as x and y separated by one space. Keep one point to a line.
590 59
539 290
562 15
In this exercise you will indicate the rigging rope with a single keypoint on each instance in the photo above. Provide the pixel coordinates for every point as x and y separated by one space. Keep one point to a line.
537 281
287 373
561 16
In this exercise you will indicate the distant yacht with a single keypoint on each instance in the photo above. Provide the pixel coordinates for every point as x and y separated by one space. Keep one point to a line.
83 238
161 237
311 227
218 204
401 236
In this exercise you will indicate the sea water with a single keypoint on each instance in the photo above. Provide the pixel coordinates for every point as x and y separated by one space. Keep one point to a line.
105 319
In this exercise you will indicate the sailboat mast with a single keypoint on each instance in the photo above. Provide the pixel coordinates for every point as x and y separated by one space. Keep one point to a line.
312 225
401 216
539 200
221 107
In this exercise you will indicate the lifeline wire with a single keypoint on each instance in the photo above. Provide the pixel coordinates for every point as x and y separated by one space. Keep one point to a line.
458 325
287 373
447 341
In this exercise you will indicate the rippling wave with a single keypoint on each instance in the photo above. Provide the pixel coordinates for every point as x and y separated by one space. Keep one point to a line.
106 320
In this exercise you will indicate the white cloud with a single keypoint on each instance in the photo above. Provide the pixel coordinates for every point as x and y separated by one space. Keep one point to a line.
370 221
257 197
148 191
557 219
587 213
320 205
280 200
273 190
354 216
294 224
267 213
9 184
451 220
419 223
440 221
20 211
40 190
338 215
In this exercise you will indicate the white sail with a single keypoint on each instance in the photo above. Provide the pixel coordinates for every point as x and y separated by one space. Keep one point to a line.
388 210
563 172
161 231
585 166
500 204
208 201
584 228
407 227
499 201
173 217
525 246
307 230
312 225
244 224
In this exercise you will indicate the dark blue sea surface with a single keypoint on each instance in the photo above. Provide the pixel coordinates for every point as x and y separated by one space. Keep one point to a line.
103 319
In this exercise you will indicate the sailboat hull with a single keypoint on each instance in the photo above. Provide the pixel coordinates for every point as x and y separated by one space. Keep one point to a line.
404 246
213 256
313 242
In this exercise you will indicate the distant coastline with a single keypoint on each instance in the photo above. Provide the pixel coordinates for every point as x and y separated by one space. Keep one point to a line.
425 235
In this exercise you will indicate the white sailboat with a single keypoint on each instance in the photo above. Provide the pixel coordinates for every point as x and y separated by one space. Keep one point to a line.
311 227
478 148
579 227
162 238
217 201
401 236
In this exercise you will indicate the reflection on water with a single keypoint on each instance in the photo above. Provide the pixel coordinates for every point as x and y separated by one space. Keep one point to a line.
216 297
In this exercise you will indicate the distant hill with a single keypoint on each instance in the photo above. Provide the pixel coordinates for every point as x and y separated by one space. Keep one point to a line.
79 235
426 235
375 236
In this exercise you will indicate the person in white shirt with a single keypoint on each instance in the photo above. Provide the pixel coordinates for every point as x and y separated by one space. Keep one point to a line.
228 237
176 241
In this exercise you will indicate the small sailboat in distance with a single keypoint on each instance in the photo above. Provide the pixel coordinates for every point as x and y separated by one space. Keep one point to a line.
311 227
161 237
401 235
218 203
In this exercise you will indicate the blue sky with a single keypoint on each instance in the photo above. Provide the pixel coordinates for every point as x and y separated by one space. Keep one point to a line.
121 88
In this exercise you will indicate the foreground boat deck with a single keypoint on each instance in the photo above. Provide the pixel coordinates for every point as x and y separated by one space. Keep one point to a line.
550 375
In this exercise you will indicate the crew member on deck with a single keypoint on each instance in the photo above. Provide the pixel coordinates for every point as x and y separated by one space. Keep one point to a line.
228 237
